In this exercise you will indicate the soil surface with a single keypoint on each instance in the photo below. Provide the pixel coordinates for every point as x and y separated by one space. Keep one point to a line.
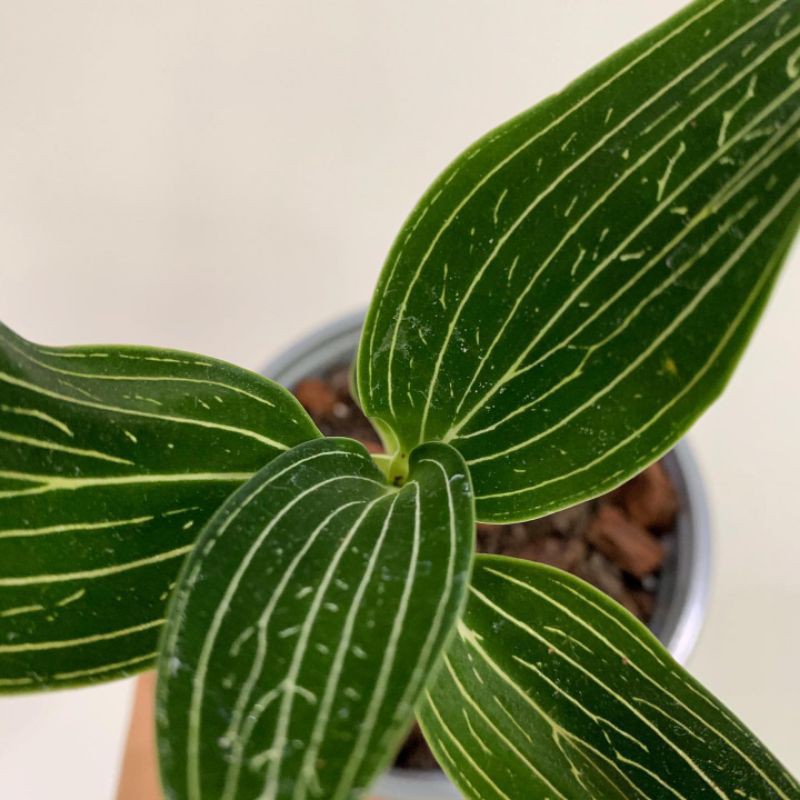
617 542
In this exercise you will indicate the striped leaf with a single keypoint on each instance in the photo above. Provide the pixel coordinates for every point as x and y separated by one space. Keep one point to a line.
576 288
307 620
552 690
111 460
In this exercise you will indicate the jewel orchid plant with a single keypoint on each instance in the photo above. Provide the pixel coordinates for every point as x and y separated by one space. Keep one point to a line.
569 295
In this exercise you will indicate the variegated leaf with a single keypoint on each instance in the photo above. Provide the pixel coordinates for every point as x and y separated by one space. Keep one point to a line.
111 461
306 622
552 690
576 288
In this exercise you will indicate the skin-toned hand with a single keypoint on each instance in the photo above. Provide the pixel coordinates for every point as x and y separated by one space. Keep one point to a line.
139 777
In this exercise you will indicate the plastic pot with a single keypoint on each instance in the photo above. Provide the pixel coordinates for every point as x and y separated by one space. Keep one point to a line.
681 598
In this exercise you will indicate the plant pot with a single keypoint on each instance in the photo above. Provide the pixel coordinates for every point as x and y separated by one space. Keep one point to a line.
681 597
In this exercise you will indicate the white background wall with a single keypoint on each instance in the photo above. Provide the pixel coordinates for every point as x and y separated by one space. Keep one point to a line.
222 177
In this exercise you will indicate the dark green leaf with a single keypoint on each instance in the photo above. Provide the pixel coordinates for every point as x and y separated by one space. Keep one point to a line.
551 689
111 461
307 620
576 288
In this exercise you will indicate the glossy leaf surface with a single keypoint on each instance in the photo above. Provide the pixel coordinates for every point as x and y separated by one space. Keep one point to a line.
306 622
111 461
550 689
576 288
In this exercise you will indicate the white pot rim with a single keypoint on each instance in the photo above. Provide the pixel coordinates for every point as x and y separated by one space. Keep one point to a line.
683 589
